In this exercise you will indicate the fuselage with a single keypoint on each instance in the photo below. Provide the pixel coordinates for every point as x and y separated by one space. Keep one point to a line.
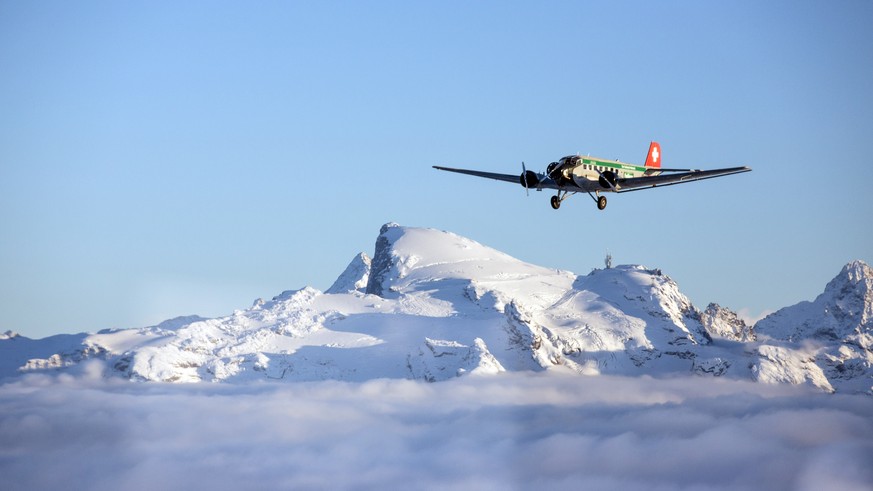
583 171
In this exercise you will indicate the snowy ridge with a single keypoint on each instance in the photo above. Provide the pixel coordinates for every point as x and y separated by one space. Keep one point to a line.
830 337
355 277
843 310
432 305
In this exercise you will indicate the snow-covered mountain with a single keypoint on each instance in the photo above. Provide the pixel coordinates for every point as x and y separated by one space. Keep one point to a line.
833 333
433 305
844 311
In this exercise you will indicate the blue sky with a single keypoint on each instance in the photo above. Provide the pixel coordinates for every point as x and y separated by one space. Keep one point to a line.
160 159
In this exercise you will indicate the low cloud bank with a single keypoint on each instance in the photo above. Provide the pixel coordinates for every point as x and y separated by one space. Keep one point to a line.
510 431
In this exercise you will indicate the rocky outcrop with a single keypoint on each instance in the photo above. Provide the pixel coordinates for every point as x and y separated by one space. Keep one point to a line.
721 322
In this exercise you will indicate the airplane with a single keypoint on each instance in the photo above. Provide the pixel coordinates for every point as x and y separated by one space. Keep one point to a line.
574 174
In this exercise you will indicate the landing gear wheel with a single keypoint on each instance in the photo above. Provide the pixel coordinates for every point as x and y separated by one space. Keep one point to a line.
601 202
556 202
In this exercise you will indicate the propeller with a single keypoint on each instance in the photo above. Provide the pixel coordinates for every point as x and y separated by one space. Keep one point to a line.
529 179
524 179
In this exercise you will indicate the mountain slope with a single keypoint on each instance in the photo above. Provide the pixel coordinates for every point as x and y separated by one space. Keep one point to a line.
433 305
844 310
834 332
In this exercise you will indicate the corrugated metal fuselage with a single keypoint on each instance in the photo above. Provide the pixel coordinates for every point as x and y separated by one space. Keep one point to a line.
585 173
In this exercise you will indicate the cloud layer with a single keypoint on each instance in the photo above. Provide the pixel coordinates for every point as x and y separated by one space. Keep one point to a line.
508 431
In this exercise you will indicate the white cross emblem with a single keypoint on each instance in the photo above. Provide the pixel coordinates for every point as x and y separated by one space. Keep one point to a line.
655 154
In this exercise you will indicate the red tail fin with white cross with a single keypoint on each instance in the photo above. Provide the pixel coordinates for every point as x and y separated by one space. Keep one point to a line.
653 159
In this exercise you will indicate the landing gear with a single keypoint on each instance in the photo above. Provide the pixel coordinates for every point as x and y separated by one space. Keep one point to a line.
600 200
558 198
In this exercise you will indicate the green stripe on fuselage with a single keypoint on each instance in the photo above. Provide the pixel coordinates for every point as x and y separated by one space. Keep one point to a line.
615 165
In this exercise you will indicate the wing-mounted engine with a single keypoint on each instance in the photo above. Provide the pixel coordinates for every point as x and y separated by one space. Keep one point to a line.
529 179
608 179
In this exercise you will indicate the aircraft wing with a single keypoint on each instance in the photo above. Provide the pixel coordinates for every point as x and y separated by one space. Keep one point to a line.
513 178
669 179
624 185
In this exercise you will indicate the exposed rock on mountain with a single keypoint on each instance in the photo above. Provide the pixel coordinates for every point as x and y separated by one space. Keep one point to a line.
724 323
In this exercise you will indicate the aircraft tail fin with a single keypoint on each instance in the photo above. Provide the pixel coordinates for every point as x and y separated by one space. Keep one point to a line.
653 158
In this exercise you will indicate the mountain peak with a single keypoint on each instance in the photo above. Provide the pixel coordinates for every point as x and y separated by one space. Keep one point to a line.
848 299
405 254
355 277
844 309
388 226
855 276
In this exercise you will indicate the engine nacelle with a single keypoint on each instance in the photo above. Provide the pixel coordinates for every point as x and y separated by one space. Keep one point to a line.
560 172
551 170
529 179
607 179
